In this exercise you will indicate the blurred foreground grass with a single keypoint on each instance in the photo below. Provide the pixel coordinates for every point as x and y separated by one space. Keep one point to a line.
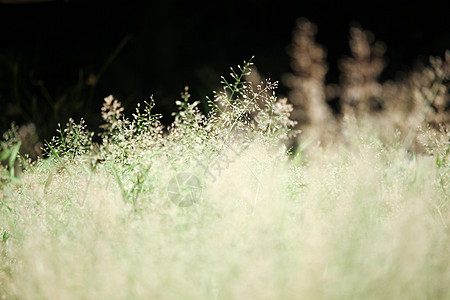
357 218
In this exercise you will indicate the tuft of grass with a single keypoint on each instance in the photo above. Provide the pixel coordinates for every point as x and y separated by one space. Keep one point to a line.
216 207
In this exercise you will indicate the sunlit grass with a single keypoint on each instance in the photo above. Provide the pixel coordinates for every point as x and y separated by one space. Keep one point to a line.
357 219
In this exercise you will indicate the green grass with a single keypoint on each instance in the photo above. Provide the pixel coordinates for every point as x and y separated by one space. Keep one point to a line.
358 219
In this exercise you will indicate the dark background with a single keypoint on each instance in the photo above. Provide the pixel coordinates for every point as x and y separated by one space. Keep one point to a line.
59 59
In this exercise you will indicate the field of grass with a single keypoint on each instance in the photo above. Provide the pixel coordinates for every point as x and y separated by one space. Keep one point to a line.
217 206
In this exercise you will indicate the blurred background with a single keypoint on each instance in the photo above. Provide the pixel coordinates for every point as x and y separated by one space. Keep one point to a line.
59 59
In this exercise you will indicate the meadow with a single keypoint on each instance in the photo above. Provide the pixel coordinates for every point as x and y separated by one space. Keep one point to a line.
261 197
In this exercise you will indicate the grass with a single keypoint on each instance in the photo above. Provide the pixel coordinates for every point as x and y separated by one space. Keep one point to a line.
358 218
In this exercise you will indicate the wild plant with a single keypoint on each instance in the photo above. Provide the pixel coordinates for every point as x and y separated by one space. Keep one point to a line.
123 139
406 105
213 207
251 111
360 89
9 150
307 83
74 140
437 143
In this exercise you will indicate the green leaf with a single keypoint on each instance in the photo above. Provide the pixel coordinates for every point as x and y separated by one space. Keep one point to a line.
13 155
